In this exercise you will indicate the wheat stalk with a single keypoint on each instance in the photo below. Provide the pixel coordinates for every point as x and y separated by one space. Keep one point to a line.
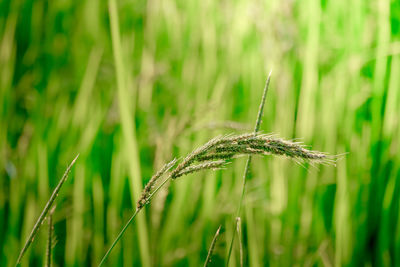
216 154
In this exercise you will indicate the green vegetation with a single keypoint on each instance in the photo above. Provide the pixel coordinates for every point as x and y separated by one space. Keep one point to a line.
132 85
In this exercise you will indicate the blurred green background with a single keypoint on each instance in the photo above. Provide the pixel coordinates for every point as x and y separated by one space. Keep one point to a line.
131 84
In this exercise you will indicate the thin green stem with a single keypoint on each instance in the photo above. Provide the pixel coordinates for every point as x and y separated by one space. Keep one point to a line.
50 239
119 237
211 250
131 220
247 167
239 232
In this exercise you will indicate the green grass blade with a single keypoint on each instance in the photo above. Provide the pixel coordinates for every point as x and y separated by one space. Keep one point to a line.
128 130
46 209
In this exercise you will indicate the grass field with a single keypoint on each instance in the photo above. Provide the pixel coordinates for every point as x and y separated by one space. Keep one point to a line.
130 85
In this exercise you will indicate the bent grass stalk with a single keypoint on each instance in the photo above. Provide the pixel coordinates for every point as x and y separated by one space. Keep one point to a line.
216 154
45 211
